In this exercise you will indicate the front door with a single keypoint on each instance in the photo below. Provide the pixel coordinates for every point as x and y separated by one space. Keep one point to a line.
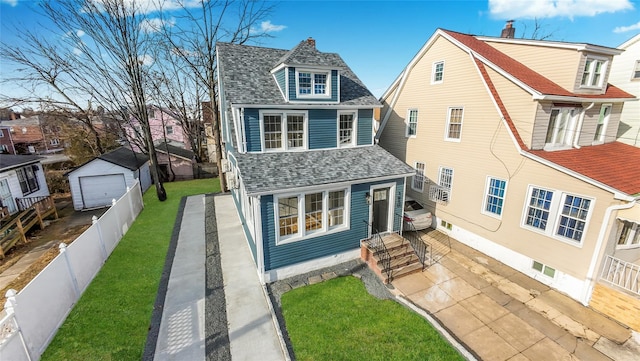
6 200
380 210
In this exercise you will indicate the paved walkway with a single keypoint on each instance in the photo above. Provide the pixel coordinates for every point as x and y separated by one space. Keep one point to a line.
182 334
501 314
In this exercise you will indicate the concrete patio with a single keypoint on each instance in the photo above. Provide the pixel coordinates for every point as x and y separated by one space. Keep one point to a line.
500 314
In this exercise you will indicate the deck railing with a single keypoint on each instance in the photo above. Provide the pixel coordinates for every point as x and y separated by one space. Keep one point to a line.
622 274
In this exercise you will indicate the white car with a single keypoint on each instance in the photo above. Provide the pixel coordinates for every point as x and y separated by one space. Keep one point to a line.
414 213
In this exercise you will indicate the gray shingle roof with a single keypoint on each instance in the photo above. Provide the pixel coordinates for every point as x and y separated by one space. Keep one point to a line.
125 157
246 76
10 161
277 172
172 149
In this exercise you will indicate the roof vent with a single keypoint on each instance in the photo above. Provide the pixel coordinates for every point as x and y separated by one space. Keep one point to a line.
509 31
311 41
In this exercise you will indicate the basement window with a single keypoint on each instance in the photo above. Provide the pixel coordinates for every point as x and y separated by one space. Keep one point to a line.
544 269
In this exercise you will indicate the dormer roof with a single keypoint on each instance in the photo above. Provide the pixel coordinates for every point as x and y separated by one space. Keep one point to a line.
246 78
306 54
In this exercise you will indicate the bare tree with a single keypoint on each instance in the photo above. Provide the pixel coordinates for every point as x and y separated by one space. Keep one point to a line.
102 54
194 40
539 30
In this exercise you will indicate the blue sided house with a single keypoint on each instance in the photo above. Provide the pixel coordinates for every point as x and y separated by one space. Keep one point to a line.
307 179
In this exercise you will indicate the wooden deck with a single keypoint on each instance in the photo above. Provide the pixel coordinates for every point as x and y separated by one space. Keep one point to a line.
15 228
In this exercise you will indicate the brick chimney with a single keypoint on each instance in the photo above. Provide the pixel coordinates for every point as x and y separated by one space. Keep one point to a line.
509 31
311 41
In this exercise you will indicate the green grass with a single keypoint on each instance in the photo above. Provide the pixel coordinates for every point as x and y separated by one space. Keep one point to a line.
111 320
338 320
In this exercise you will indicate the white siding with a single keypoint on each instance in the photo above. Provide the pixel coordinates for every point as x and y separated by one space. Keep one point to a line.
14 184
98 167
620 76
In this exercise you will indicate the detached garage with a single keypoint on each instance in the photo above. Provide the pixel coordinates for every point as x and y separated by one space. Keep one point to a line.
95 183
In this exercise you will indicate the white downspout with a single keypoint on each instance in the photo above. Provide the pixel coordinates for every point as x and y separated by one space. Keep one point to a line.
591 273
578 130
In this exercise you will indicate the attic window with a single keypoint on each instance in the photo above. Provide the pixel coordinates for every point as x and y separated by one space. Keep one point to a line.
636 71
312 84
593 73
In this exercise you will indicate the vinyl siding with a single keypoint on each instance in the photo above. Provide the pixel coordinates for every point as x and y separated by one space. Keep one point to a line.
235 193
486 149
281 80
558 65
590 123
541 124
620 76
578 79
321 246
323 128
365 127
252 130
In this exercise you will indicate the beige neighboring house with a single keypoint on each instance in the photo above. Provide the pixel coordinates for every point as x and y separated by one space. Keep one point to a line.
625 74
514 146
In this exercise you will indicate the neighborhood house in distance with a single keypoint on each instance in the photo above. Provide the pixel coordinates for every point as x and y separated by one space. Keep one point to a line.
513 142
307 179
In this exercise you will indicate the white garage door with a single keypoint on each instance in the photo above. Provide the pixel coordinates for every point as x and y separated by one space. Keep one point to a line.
98 191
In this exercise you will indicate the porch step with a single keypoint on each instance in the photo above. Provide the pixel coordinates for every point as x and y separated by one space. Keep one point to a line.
405 270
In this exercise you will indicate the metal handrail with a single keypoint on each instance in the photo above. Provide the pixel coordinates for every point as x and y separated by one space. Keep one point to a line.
419 247
376 244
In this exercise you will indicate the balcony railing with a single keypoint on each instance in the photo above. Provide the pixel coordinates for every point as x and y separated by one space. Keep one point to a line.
622 274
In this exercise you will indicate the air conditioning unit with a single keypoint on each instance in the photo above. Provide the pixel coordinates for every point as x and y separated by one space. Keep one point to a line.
232 181
226 166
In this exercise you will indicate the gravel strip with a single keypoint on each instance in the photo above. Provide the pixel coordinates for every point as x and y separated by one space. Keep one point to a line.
217 346
356 268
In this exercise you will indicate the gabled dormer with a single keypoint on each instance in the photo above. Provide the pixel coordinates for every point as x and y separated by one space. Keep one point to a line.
305 75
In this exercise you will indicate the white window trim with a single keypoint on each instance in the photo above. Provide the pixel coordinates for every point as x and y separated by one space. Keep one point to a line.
433 72
326 230
392 204
486 195
634 70
408 123
605 124
569 133
424 170
354 133
555 212
634 230
446 129
450 188
327 93
603 72
285 144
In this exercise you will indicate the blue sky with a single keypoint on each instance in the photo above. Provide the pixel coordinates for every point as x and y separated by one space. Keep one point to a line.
378 38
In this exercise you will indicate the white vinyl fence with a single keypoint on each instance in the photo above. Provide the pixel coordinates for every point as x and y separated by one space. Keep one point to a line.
32 317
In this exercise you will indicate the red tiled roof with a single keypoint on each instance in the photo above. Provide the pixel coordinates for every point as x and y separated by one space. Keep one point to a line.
524 73
614 164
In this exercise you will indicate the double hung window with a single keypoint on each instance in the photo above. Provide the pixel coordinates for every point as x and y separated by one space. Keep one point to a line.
454 124
412 123
603 121
593 72
629 234
346 129
560 128
321 212
437 73
313 83
494 200
556 214
283 131
28 179
418 179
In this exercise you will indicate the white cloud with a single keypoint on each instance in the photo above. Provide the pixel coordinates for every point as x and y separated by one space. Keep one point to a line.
80 33
267 27
9 2
155 24
624 29
150 6
77 51
146 59
527 9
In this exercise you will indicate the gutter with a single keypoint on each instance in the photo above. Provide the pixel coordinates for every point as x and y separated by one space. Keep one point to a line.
600 245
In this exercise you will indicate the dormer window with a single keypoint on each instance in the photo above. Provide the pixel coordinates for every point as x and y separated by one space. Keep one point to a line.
312 83
593 73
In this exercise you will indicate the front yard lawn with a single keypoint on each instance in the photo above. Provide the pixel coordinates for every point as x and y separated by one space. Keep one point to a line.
339 320
111 319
